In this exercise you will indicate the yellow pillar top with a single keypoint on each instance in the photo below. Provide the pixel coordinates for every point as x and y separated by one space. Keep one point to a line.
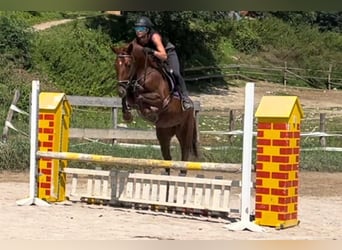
51 100
278 107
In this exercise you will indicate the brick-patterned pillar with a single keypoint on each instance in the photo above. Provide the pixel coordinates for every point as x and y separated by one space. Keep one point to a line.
46 141
277 161
53 127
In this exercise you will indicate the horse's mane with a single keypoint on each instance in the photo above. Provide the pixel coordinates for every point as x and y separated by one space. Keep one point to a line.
137 51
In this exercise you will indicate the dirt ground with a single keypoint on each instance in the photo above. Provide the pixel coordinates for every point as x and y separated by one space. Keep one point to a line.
319 213
320 100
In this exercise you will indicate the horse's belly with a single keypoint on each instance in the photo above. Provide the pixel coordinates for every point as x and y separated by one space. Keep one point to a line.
171 120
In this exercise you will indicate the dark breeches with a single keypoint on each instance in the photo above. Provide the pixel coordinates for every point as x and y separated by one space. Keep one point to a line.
173 62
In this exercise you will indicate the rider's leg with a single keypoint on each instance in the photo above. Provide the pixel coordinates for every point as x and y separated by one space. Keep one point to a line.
174 65
187 103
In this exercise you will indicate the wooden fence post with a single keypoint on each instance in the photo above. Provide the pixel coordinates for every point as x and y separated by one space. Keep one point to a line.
285 74
322 139
329 76
10 115
115 121
231 124
197 118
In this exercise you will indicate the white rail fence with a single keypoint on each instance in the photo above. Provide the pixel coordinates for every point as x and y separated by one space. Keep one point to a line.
328 78
126 134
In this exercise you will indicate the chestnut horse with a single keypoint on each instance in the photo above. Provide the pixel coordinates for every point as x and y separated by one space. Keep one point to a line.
143 86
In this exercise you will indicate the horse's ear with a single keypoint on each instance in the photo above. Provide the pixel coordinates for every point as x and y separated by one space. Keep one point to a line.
129 48
114 49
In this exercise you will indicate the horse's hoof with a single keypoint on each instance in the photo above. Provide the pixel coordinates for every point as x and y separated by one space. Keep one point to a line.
128 117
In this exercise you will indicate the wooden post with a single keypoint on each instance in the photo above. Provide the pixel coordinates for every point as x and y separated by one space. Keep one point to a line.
115 121
197 118
197 109
329 76
10 115
285 74
231 124
322 139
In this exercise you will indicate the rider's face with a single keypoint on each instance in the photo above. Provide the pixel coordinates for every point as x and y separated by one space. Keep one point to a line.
140 31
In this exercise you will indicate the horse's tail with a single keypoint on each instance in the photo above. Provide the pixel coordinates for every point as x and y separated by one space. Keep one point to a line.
195 140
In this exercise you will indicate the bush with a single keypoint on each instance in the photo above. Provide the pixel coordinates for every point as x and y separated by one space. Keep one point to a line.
244 37
79 62
15 154
16 38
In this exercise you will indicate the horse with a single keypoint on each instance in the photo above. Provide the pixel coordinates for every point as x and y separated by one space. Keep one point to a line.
145 87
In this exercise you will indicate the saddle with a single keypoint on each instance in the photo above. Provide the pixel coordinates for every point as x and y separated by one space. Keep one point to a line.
168 74
171 79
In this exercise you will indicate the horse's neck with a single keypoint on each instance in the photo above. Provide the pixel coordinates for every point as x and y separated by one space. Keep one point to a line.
144 65
145 61
154 81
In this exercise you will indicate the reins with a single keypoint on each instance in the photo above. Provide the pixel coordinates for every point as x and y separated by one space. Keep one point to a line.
140 82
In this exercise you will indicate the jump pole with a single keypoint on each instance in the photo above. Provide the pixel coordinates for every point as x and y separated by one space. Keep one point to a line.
106 159
245 210
33 198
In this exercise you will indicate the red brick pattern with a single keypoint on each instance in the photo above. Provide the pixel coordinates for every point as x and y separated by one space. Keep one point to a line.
276 173
46 143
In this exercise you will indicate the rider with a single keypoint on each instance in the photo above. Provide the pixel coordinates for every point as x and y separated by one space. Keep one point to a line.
153 44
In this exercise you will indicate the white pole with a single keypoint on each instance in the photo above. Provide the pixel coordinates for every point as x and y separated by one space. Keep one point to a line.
34 112
245 210
247 152
33 137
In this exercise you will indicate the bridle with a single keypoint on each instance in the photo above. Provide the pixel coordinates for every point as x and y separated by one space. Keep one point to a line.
124 83
140 82
131 81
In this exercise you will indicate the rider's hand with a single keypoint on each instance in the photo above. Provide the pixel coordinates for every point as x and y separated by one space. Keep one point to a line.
148 50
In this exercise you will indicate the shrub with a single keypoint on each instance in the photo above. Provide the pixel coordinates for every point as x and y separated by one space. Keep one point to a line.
244 37
15 154
79 62
16 38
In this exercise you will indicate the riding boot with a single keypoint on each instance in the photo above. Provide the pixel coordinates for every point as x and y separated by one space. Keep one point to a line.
186 101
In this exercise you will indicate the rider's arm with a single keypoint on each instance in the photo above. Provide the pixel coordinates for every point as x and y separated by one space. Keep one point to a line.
160 50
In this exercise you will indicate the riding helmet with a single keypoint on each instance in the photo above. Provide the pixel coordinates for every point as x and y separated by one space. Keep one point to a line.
144 21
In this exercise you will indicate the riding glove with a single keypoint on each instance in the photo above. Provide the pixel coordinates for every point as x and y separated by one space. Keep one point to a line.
148 50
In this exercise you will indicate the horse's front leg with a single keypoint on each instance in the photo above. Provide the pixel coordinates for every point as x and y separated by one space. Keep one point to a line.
126 114
151 99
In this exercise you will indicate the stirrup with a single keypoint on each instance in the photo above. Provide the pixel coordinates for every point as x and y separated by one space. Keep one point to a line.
187 104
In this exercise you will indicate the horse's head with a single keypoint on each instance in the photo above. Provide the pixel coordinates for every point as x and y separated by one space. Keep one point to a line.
123 66
131 61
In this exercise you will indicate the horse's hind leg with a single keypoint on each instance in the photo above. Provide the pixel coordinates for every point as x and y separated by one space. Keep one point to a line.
164 136
184 134
185 147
